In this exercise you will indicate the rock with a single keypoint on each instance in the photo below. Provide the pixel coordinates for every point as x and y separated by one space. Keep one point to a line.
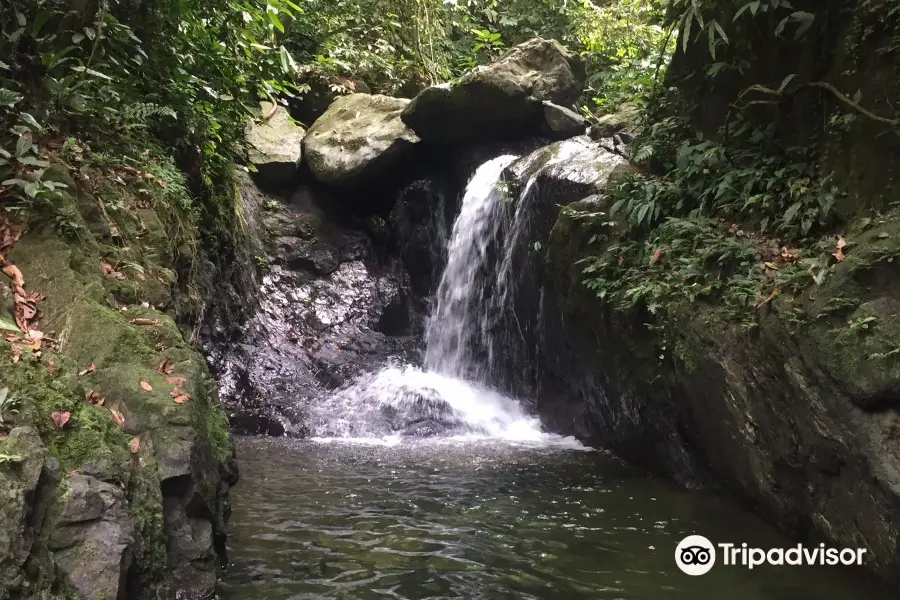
624 121
501 99
358 138
19 478
561 122
275 147
323 90
798 418
92 539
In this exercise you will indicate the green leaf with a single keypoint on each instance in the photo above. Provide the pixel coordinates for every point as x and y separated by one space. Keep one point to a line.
791 212
33 162
9 98
785 82
275 21
31 122
23 145
39 21
5 66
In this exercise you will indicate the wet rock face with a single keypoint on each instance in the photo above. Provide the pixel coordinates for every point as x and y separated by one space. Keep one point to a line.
331 305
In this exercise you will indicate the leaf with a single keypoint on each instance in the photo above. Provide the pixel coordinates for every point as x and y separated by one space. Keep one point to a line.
13 272
93 397
785 82
275 21
179 395
110 271
60 418
118 417
146 386
165 367
51 367
90 369
179 381
142 322
655 257
135 444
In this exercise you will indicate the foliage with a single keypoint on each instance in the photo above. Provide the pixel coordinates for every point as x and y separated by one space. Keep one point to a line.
8 404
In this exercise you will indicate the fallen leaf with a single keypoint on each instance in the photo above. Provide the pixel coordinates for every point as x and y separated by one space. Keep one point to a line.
179 395
93 397
655 257
117 417
60 418
15 274
179 381
788 255
145 322
839 249
771 265
135 444
51 367
90 369
16 352
72 473
838 254
841 243
146 386
110 271
165 367
140 276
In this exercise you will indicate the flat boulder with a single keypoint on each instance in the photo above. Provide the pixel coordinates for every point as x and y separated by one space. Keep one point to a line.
499 99
274 147
358 138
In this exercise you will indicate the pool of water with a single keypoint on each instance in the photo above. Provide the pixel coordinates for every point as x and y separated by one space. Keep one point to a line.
479 520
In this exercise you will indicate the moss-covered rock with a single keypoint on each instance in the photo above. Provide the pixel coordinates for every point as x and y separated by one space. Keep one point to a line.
126 433
798 417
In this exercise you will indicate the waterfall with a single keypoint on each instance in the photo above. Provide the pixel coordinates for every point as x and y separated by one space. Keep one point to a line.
456 393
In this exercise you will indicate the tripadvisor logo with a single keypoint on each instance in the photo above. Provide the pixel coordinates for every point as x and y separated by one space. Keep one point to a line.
696 555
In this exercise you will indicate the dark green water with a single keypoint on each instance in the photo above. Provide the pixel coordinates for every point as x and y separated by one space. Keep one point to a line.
483 521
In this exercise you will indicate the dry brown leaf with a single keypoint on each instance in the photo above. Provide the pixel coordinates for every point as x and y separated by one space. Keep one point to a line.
789 255
140 276
655 257
110 271
93 397
60 418
90 369
13 272
841 243
16 352
165 367
146 386
118 417
179 381
838 254
145 322
51 367
135 444
179 395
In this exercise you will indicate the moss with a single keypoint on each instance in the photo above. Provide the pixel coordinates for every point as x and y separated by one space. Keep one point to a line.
145 504
92 437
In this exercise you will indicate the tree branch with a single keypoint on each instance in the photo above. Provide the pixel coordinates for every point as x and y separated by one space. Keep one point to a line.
761 89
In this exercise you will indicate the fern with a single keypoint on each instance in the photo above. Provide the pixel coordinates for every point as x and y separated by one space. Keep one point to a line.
141 112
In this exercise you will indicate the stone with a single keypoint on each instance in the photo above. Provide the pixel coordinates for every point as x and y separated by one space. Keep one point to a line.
358 138
92 539
500 99
19 478
561 122
275 147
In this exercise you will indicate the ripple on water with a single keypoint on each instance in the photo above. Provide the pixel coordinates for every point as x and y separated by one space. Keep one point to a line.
475 520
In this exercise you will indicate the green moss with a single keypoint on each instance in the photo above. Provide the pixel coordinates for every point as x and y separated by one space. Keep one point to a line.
92 437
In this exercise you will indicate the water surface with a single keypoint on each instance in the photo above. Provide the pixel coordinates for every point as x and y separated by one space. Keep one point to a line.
485 520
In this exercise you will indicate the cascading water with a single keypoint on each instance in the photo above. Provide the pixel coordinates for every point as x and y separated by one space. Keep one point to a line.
454 394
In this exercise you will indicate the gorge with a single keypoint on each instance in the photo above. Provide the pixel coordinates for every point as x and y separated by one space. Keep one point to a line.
465 340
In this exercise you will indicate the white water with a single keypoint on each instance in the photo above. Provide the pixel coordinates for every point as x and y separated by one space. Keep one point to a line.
451 398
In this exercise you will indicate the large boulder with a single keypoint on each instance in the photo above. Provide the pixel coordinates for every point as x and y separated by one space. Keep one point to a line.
274 147
359 137
500 99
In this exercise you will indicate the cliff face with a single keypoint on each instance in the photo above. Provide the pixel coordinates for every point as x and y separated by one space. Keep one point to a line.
798 418
114 452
